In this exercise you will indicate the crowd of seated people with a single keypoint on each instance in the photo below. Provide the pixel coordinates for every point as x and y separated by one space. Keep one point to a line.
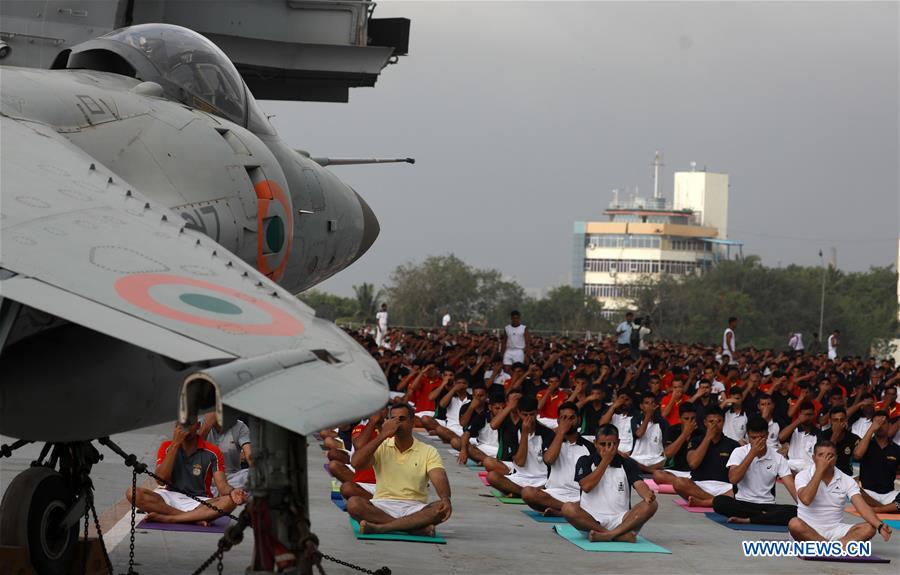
573 425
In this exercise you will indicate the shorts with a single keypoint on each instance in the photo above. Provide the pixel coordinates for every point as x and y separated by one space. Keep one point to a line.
488 449
609 521
453 426
798 465
511 356
676 473
424 414
714 487
831 532
648 459
563 494
398 508
522 479
177 500
883 498
370 487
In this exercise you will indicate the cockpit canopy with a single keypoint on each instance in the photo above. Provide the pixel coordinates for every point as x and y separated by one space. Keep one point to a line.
191 69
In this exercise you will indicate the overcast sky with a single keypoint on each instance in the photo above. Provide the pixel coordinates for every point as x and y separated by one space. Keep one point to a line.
524 116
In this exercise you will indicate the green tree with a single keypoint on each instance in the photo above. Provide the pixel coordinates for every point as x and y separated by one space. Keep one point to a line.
329 306
565 308
366 301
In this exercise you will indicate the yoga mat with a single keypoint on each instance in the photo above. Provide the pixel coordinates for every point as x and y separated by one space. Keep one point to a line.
684 505
883 516
893 523
580 539
541 518
398 536
509 500
723 521
484 480
340 503
335 486
664 489
471 464
870 559
217 526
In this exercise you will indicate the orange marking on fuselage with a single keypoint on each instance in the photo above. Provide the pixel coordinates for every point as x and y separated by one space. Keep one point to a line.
267 191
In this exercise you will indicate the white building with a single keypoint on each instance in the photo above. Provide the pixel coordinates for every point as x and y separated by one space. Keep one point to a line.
643 238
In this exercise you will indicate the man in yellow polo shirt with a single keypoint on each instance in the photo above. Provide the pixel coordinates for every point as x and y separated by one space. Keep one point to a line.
403 468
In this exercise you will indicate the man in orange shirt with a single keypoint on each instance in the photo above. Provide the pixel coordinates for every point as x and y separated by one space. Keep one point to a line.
670 403
889 403
549 401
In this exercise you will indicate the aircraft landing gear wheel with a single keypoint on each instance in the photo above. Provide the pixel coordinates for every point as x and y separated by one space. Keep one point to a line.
34 505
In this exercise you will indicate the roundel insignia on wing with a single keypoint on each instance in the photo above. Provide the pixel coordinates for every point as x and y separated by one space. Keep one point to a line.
206 304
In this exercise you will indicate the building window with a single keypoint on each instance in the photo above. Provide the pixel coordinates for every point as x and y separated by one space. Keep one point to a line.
621 241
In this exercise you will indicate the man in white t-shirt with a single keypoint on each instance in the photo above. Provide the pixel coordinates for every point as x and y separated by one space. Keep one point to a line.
604 510
796 341
822 492
445 321
802 436
647 428
754 469
561 455
735 425
833 342
728 341
515 340
381 325
527 468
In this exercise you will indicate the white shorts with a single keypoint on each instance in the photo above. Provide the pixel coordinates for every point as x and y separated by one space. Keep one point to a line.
453 426
398 508
563 494
676 473
798 465
370 487
487 449
713 487
177 500
238 480
648 459
421 414
511 356
548 422
609 521
883 498
831 532
523 479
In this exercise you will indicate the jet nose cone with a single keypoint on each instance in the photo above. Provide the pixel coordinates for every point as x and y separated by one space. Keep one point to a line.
371 229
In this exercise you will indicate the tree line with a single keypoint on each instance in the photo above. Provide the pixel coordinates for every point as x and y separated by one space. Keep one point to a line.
770 302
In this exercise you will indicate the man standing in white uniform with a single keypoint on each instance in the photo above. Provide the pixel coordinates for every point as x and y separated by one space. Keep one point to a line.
822 491
833 342
561 455
515 340
728 343
381 320
445 321
796 341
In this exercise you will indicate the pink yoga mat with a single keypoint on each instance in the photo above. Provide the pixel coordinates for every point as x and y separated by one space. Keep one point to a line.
664 489
484 479
684 505
482 474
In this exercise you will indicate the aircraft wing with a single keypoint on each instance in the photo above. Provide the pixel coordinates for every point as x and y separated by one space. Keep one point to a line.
78 242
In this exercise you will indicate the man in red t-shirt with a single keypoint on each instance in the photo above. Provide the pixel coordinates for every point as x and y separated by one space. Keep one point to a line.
889 403
549 401
669 405
189 465
362 483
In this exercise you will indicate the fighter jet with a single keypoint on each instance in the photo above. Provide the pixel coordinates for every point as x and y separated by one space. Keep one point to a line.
153 228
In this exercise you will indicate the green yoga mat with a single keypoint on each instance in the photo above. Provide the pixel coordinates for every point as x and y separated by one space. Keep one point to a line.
580 539
398 536
509 500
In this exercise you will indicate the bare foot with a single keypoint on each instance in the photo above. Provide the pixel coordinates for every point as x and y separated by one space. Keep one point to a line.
160 518
599 536
627 537
550 512
692 502
365 527
738 520
425 531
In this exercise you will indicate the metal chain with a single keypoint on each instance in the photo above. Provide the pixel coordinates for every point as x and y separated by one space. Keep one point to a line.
109 566
380 571
131 570
84 547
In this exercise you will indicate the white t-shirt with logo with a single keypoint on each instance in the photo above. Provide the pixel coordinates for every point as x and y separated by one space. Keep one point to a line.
827 507
757 484
802 445
735 426
562 472
772 438
623 424
648 449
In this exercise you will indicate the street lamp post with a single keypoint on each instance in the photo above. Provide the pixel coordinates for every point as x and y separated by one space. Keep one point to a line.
822 300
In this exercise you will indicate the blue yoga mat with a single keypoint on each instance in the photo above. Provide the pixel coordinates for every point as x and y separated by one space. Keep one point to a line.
893 523
340 503
540 518
580 539
723 521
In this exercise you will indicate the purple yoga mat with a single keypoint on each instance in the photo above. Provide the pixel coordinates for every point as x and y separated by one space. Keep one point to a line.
870 559
217 526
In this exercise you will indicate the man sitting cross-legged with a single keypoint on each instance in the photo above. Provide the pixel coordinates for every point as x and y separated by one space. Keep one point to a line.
822 492
648 429
361 482
606 478
450 397
190 465
878 458
527 442
403 468
479 439
754 469
707 456
564 451
676 440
